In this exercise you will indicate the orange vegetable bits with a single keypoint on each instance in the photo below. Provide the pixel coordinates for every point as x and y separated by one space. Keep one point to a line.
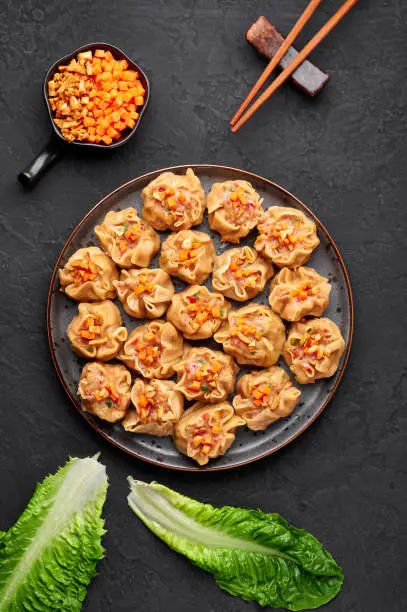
95 97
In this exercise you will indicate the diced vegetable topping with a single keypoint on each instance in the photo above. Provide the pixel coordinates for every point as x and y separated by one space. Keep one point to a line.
144 284
90 331
309 346
241 269
245 331
84 270
239 205
203 375
107 392
261 397
173 200
130 234
95 97
148 350
203 308
204 434
302 292
151 405
189 253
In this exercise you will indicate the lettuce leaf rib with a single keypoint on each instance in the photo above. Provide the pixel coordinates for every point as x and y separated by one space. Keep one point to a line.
49 556
251 554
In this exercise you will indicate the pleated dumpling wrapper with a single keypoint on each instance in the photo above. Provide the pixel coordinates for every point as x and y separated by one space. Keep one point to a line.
253 335
287 237
104 390
299 293
153 349
265 396
205 375
188 255
157 407
130 241
89 275
313 349
97 331
206 431
241 273
145 293
197 312
234 209
174 201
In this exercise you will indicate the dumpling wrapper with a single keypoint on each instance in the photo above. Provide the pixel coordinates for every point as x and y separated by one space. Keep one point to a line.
97 331
313 349
286 237
265 396
253 335
188 255
104 390
205 375
89 275
130 241
197 312
295 294
241 273
174 201
153 349
158 406
234 209
145 293
206 431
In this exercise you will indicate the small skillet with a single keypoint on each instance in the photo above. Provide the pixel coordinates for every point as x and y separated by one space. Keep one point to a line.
57 146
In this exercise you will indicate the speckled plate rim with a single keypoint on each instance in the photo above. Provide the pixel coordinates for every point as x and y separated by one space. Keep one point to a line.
249 176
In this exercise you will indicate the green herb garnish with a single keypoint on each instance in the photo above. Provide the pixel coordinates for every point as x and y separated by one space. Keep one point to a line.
109 403
309 330
204 388
294 341
126 226
89 349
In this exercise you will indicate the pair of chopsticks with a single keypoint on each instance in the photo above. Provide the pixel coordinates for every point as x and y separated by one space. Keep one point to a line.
241 117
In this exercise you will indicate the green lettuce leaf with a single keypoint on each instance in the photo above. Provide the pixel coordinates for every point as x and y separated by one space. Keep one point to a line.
251 554
49 556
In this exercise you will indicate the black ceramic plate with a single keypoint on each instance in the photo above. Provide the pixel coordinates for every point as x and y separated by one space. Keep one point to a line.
248 445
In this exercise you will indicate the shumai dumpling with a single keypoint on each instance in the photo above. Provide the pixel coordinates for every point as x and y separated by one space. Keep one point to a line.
234 209
206 375
129 240
89 275
174 201
241 273
264 397
295 294
97 331
188 255
313 349
197 312
153 349
158 406
104 390
253 335
287 237
145 293
206 431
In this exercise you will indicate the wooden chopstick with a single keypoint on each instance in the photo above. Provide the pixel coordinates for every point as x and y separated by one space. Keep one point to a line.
302 55
286 44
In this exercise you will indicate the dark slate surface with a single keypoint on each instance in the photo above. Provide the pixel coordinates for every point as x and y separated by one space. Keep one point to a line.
344 154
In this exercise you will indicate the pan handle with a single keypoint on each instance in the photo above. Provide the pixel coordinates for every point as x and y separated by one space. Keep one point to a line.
40 164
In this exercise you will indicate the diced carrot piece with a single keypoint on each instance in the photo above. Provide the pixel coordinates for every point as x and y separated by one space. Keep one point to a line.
91 138
88 121
115 117
129 75
92 130
139 100
100 131
97 112
107 140
112 132
99 53
123 85
108 56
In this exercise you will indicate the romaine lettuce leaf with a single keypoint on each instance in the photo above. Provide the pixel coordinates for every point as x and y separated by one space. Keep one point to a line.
253 555
49 556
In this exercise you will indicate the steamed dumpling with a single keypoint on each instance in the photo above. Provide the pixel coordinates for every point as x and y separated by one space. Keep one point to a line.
206 431
295 294
253 335
197 312
89 275
205 375
129 240
104 390
145 293
188 255
313 349
157 407
153 349
286 237
174 201
265 396
234 209
241 273
97 331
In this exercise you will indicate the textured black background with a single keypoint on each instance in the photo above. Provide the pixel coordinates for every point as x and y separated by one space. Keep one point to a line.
344 154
